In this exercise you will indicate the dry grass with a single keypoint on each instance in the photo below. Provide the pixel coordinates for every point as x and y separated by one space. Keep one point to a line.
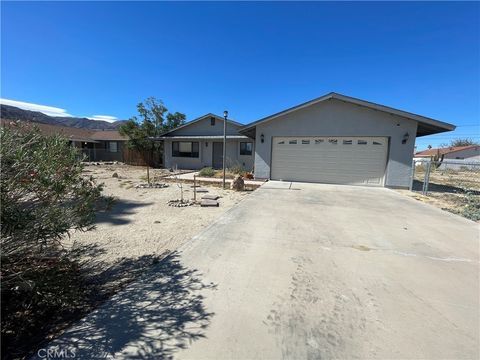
456 191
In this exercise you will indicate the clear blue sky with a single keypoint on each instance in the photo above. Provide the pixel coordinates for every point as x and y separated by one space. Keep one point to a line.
253 59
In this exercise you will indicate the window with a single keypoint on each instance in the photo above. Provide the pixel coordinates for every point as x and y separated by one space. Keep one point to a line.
333 141
362 142
318 141
185 149
281 142
212 121
246 148
292 142
305 142
112 146
376 143
347 142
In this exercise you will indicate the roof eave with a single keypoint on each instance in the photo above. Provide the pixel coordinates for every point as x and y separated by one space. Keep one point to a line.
434 126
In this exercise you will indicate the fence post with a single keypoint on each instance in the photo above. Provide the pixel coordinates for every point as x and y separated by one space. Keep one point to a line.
412 174
194 188
427 178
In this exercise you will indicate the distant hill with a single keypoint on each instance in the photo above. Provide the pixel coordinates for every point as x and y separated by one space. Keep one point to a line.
14 113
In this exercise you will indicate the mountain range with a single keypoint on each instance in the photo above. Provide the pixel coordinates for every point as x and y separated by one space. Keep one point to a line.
13 113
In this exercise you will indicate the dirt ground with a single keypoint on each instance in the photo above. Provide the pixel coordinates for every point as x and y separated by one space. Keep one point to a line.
456 191
140 222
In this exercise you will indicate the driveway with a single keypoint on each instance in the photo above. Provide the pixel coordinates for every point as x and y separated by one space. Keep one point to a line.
300 271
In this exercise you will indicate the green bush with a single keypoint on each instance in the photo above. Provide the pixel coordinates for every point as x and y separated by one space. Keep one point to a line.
206 172
237 170
472 207
44 196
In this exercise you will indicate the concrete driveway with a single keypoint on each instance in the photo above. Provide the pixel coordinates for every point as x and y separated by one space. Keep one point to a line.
301 271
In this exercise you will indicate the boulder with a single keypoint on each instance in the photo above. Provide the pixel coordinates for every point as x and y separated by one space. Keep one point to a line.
238 184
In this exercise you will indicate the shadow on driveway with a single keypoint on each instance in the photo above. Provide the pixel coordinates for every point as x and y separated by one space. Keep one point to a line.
156 315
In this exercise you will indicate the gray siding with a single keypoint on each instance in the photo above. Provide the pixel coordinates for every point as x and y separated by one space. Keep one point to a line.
203 128
205 156
337 118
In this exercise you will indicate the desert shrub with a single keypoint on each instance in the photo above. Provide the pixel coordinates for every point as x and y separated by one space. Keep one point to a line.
206 172
43 192
236 169
471 210
44 196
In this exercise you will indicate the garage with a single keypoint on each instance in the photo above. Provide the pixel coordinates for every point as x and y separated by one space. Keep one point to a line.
334 160
338 139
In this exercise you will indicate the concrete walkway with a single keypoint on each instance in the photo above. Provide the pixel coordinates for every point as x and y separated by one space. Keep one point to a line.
189 177
303 271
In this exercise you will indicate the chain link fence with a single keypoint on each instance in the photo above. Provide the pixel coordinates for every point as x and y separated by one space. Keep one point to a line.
453 183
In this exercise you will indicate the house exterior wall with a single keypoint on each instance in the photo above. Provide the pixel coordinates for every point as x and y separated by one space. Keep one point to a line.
467 154
233 157
337 118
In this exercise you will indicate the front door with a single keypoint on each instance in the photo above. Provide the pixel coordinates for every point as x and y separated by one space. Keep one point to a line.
217 157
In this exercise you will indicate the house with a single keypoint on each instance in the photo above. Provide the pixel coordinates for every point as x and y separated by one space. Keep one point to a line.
199 143
340 140
470 153
96 145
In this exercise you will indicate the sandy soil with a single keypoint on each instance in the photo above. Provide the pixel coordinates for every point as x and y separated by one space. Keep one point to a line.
140 222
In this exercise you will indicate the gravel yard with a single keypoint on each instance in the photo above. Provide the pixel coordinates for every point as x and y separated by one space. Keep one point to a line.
140 222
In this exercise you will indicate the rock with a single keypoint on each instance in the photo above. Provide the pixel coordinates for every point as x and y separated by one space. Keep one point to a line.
115 175
207 202
151 186
210 197
180 203
238 184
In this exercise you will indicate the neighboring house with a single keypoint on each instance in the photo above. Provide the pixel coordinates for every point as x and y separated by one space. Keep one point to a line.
471 152
199 143
97 145
340 140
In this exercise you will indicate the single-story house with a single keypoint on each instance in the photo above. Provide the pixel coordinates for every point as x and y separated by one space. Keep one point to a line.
470 152
95 145
333 139
199 143
341 140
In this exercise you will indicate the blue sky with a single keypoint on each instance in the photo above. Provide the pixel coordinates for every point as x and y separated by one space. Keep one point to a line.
254 59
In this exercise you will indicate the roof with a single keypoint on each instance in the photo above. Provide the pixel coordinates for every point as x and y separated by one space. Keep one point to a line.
443 151
108 135
71 133
202 137
426 126
201 118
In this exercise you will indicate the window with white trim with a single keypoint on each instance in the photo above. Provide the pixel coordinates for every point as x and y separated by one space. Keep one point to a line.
185 149
112 146
246 148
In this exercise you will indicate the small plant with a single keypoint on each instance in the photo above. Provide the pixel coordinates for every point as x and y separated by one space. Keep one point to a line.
236 169
471 209
207 172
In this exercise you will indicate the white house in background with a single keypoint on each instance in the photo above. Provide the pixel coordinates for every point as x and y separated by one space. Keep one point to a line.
470 153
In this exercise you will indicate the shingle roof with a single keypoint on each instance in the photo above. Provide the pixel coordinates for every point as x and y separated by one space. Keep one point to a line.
108 135
71 133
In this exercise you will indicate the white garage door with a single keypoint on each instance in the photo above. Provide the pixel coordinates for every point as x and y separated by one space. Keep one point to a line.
334 160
